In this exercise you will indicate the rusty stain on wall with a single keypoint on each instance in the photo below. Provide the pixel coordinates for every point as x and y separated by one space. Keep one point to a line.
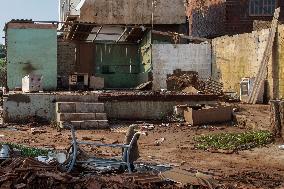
19 98
29 68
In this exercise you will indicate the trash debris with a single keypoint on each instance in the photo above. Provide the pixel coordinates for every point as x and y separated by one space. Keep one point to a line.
145 86
35 131
186 178
5 151
281 147
159 141
147 127
30 173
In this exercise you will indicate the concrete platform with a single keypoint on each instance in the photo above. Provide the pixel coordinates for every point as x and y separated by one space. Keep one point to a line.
119 105
81 116
87 124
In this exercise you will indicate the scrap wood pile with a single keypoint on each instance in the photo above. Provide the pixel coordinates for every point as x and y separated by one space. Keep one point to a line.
139 181
181 80
30 173
21 173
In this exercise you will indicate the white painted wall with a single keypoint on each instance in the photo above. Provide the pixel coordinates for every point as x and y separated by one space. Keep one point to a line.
188 57
68 7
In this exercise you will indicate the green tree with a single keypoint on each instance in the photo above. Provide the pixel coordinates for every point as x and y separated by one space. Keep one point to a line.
2 51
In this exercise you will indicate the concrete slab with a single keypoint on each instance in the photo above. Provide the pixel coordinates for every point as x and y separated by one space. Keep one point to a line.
101 116
76 124
77 98
76 116
90 107
65 107
79 107
94 124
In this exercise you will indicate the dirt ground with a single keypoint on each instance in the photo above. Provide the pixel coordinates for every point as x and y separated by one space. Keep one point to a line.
256 168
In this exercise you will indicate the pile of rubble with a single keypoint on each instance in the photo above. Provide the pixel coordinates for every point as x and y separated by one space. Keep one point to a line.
189 81
179 80
29 173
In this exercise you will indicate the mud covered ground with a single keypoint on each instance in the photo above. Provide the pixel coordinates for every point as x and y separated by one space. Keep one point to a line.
173 144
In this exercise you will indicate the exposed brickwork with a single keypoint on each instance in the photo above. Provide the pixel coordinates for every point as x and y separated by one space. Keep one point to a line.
206 18
66 61
212 18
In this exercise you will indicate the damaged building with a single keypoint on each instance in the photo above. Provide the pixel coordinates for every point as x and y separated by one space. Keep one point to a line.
145 94
128 49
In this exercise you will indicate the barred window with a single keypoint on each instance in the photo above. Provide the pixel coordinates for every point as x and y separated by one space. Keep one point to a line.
262 7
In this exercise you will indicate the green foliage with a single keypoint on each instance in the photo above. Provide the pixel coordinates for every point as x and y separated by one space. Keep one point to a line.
2 62
28 151
2 51
234 141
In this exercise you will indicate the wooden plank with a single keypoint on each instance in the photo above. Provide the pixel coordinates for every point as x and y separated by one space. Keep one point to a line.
262 72
170 34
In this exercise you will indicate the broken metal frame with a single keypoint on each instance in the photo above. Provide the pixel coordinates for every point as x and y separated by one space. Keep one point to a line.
126 149
191 38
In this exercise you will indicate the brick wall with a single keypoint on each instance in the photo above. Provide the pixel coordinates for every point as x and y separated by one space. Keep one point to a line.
238 19
206 19
65 61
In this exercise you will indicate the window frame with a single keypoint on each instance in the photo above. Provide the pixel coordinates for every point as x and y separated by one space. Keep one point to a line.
264 6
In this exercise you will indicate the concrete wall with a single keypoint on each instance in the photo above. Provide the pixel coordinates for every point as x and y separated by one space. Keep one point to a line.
187 57
279 64
145 110
239 56
133 11
66 62
22 108
31 48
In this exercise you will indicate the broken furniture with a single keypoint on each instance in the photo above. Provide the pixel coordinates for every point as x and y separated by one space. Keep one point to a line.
97 83
208 115
78 81
32 83
100 162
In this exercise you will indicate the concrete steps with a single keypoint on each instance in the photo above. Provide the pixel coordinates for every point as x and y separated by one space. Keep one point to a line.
82 115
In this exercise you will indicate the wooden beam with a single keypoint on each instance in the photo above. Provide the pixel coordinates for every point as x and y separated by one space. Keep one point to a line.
262 72
170 34
99 30
125 30
89 32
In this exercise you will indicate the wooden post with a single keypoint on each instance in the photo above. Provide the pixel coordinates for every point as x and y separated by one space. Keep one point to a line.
275 118
281 111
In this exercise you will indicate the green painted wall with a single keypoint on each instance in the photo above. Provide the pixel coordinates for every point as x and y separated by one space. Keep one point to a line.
32 51
145 50
118 64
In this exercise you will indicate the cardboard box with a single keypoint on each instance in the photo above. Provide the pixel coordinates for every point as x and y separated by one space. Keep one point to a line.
208 115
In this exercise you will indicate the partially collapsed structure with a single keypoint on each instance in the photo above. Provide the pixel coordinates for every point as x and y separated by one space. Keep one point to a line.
110 45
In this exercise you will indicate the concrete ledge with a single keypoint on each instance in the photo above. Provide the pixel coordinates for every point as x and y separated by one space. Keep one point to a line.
87 124
79 107
77 98
76 116
90 107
